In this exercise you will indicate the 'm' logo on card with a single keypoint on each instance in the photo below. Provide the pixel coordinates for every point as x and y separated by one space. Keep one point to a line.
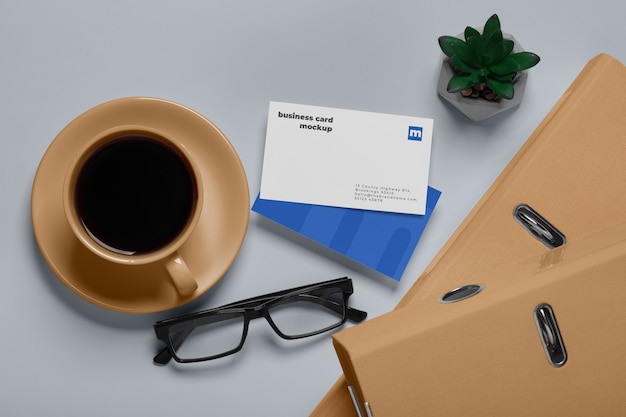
415 133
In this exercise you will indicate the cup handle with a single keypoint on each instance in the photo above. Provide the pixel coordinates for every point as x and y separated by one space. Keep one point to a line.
183 280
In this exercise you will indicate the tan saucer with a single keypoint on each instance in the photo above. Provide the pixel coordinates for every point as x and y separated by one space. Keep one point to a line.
209 251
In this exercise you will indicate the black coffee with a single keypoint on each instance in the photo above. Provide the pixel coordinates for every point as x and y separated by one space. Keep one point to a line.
135 195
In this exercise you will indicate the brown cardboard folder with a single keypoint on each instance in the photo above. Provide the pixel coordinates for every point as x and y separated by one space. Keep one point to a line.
571 172
544 337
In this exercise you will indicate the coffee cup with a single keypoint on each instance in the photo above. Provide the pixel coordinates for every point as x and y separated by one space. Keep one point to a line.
133 195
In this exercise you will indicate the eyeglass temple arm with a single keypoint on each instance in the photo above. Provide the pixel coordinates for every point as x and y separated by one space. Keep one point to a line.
356 315
352 314
164 356
254 301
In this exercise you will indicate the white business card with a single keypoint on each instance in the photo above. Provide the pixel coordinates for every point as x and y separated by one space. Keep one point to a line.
346 158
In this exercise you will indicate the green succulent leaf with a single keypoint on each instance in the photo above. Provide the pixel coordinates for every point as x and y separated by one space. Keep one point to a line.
493 40
451 45
477 49
515 62
500 51
525 60
476 77
459 82
507 65
461 66
503 77
492 27
502 88
470 32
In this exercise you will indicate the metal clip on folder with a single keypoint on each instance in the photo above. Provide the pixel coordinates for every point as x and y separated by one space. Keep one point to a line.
538 227
357 406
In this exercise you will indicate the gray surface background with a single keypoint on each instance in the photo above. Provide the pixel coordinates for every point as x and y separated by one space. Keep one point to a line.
227 60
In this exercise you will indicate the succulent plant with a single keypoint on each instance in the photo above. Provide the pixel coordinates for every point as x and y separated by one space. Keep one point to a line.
485 59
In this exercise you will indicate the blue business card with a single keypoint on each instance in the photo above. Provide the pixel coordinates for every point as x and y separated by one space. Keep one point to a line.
383 241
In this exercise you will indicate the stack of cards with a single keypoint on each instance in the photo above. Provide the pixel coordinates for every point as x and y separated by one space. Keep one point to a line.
356 182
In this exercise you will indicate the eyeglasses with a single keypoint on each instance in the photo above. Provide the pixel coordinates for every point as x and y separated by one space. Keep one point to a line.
293 314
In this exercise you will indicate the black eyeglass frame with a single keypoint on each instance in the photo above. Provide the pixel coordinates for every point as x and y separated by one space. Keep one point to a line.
253 308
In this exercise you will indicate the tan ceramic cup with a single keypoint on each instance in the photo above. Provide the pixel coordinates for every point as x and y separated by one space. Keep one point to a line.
169 255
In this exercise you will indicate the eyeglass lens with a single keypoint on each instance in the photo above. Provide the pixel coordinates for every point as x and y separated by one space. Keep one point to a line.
299 315
307 314
208 336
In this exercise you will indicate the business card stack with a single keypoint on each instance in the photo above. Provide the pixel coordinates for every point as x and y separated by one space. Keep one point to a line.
356 182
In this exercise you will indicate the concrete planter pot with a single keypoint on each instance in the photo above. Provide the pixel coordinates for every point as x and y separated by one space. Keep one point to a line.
478 109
